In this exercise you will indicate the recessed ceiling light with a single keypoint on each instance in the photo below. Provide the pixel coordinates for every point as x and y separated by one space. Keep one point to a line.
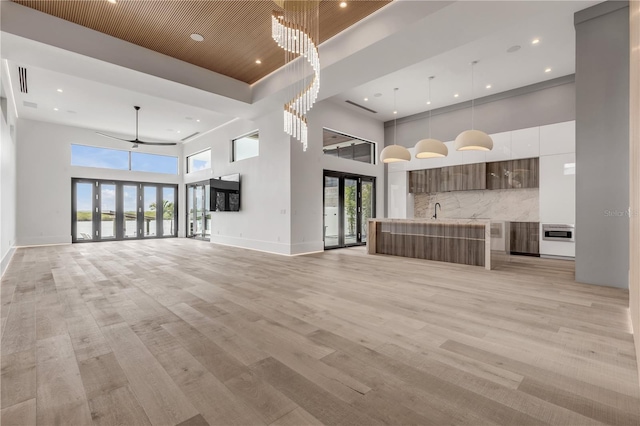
258 61
428 102
488 86
178 131
343 4
395 112
456 95
366 99
55 109
535 41
547 70
60 90
198 120
196 37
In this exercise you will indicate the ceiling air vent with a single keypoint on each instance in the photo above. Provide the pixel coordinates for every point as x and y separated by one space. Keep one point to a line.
30 104
360 106
22 73
190 136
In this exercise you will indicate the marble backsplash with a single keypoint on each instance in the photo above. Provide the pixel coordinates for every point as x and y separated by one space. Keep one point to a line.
515 205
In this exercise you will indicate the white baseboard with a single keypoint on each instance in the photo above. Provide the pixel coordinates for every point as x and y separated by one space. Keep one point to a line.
43 241
282 249
6 260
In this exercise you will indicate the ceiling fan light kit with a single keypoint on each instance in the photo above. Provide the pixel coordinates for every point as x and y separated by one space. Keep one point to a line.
137 141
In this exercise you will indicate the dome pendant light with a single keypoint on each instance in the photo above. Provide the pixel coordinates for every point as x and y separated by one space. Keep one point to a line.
431 148
473 140
395 153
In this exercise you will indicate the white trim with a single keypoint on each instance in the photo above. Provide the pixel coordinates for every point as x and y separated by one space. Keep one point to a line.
4 264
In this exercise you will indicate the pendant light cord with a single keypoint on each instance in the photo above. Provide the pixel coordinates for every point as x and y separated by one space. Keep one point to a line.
430 108
395 116
472 96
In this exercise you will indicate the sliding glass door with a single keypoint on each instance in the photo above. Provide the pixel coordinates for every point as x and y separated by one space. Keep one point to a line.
113 210
349 201
198 214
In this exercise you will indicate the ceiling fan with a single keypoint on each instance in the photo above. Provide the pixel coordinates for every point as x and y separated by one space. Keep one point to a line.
137 141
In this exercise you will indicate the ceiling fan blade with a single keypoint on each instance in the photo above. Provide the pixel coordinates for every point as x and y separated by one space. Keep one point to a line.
113 137
156 143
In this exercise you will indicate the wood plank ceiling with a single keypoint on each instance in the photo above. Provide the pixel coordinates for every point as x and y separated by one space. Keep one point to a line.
236 33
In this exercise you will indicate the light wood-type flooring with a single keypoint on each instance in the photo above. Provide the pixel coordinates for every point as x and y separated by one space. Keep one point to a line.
182 332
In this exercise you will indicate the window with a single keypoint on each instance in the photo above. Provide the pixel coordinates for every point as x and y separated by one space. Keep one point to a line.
199 161
245 147
348 147
143 162
107 158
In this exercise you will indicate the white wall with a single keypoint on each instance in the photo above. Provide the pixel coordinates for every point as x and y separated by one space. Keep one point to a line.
263 222
7 186
307 170
44 175
281 207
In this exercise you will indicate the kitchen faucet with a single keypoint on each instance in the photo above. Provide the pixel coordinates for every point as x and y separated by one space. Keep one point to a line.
435 210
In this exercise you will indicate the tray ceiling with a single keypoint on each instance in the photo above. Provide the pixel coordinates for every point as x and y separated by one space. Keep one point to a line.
236 33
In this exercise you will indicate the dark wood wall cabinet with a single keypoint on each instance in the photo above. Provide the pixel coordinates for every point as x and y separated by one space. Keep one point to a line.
510 174
464 177
525 238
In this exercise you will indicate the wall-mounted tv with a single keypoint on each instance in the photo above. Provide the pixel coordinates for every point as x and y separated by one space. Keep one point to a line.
225 193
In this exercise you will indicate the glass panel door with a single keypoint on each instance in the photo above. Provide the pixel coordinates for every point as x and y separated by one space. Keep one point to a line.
349 202
199 208
130 210
107 211
168 211
350 211
83 211
150 201
331 208
198 214
367 208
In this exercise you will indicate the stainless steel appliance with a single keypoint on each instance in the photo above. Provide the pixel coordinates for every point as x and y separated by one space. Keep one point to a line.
557 232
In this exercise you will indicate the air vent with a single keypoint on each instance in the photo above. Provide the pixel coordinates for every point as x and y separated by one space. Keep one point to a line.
22 73
190 136
30 104
363 107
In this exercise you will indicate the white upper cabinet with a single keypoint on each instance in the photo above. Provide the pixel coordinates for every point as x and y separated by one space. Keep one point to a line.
471 157
501 147
559 138
525 143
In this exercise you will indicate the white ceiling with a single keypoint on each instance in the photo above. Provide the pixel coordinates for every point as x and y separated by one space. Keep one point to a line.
553 27
101 107
399 46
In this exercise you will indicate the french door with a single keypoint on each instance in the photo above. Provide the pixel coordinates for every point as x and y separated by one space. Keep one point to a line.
198 214
349 201
105 210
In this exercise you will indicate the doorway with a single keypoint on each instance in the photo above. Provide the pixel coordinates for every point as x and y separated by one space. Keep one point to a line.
107 210
349 202
198 214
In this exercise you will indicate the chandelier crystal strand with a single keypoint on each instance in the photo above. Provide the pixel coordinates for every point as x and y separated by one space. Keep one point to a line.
295 31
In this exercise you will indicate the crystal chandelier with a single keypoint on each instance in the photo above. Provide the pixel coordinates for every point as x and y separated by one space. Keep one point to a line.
295 29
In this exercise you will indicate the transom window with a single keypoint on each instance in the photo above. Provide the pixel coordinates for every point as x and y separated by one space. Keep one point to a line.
199 161
348 147
245 147
117 159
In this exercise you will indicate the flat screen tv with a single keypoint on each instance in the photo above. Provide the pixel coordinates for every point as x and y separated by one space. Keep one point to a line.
225 193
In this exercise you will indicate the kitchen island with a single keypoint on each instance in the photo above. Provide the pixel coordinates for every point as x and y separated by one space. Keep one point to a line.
479 242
